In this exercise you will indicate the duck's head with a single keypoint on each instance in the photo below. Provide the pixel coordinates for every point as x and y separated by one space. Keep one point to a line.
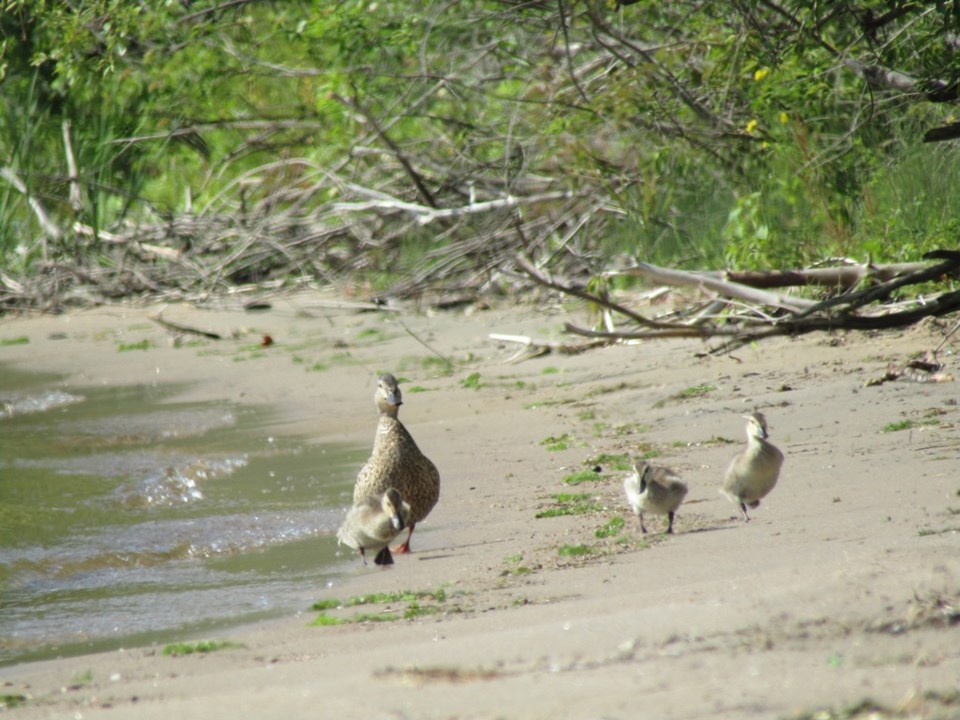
643 469
388 397
756 426
395 508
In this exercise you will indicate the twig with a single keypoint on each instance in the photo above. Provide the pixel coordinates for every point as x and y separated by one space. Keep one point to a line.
76 199
158 318
536 275
532 348
416 337
723 287
50 229
394 148
425 215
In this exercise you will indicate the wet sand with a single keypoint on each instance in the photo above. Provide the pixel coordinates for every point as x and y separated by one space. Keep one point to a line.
840 593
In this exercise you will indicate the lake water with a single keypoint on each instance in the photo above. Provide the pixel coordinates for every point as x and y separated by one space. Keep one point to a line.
128 518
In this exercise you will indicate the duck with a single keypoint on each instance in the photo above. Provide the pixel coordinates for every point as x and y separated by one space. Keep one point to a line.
396 461
655 489
753 473
373 523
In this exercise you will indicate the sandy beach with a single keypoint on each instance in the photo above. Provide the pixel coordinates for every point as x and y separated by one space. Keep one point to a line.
840 597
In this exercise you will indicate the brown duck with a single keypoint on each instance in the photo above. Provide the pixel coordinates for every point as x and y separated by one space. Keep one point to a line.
397 462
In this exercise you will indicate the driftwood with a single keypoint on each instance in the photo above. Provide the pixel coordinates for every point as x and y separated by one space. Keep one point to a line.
740 314
531 348
843 277
184 329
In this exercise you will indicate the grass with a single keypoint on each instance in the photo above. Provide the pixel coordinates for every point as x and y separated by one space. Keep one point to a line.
128 347
556 443
582 477
518 569
82 678
694 391
375 334
413 599
438 364
614 461
574 550
471 382
908 424
613 527
8 701
324 620
22 340
571 504
198 647
374 617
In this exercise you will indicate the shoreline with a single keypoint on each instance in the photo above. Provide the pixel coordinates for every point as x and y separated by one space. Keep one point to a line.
526 616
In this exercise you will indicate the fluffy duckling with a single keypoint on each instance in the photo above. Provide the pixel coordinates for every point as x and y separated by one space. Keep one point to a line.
753 473
397 462
373 523
654 489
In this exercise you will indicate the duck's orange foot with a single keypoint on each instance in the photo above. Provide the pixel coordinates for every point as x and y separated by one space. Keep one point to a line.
402 548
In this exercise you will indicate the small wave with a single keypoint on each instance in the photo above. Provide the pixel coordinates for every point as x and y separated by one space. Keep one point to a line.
155 426
17 405
176 485
144 552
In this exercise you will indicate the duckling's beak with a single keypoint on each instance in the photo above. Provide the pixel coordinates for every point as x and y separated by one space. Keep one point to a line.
397 522
394 399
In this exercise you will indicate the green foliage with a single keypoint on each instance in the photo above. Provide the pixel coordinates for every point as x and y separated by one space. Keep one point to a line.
324 620
613 461
570 504
750 137
140 345
471 382
908 424
574 550
21 340
201 646
556 443
8 701
582 477
414 608
611 528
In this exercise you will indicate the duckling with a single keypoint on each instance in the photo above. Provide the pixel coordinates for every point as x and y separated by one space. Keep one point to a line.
373 523
397 461
654 489
753 473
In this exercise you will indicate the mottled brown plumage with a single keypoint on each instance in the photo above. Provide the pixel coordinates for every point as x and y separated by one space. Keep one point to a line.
397 462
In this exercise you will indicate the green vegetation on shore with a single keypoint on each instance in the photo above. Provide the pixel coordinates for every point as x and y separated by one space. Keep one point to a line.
180 146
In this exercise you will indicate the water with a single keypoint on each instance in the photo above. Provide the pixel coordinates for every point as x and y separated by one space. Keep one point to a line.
127 517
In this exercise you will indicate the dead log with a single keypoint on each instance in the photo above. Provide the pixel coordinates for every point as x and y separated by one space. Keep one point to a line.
718 285
793 316
843 278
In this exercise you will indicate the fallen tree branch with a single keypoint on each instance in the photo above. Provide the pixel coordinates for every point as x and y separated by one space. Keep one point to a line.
540 278
185 329
532 348
425 215
803 316
723 287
